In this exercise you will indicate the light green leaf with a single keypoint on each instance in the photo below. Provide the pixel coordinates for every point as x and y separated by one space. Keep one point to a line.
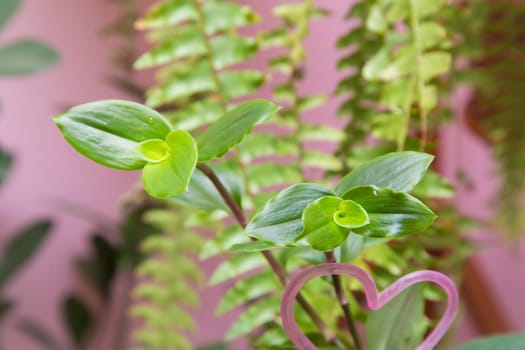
232 49
26 57
110 131
19 249
221 16
374 68
7 9
5 163
507 342
247 290
263 175
327 221
429 100
426 8
280 221
376 21
202 194
172 175
431 34
393 214
434 64
196 115
387 127
395 326
237 265
255 316
230 129
432 185
266 144
239 83
400 171
256 246
354 245
167 13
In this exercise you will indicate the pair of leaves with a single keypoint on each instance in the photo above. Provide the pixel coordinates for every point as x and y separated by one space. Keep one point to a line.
377 186
128 136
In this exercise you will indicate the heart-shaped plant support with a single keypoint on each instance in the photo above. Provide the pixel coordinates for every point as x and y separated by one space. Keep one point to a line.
375 299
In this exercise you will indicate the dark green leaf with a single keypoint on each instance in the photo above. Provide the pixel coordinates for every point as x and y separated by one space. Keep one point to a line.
21 248
77 318
26 57
7 9
280 220
39 335
230 129
110 131
395 326
256 246
507 342
400 171
5 163
392 214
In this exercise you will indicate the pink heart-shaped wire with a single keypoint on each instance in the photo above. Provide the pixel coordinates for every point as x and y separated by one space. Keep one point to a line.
375 300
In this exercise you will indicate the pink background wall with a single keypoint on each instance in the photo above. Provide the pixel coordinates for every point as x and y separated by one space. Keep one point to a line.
47 168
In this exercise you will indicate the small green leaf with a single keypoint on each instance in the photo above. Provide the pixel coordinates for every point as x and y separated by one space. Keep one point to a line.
434 64
5 163
26 57
320 229
395 326
280 220
236 265
431 34
507 342
154 151
21 248
172 175
110 131
255 316
392 214
376 21
77 318
400 171
7 9
229 130
350 215
432 185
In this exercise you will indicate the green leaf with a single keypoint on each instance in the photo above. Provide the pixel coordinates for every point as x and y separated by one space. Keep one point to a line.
354 245
5 163
376 21
387 126
431 34
239 83
400 171
220 16
110 131
507 342
196 115
434 64
230 129
392 214
327 221
280 221
168 13
171 175
235 266
255 316
7 9
395 326
5 307
19 250
77 318
375 66
256 246
202 194
38 334
232 49
25 57
432 185
247 290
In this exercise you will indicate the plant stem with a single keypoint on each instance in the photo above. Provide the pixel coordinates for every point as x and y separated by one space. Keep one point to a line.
274 264
343 302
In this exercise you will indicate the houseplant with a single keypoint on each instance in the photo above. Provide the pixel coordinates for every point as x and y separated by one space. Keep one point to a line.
196 43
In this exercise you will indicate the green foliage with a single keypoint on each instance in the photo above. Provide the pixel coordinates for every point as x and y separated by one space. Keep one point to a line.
7 9
77 318
509 342
21 248
399 324
5 163
110 132
25 57
230 129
